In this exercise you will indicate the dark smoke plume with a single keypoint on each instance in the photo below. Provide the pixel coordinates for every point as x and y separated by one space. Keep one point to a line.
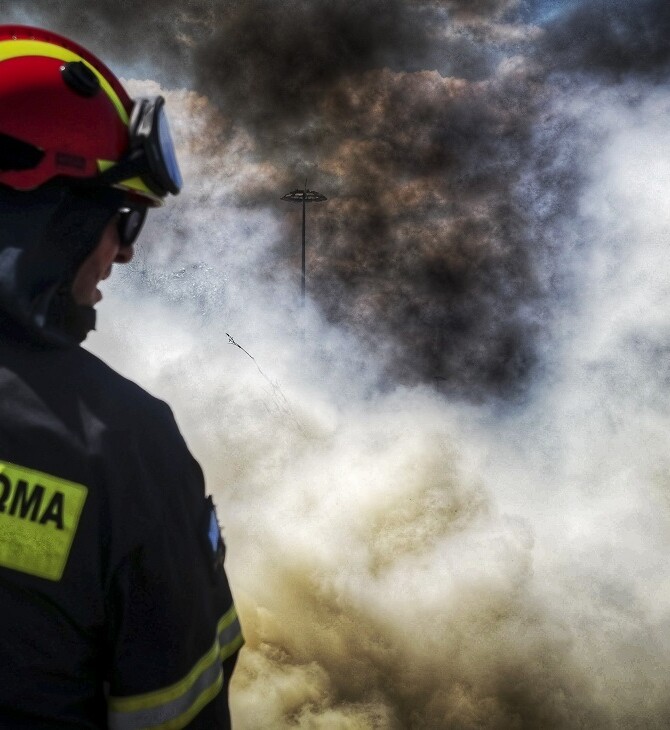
611 38
423 244
426 237
269 64
119 31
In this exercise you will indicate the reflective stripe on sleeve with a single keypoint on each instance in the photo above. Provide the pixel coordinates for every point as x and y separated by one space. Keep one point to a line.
173 707
229 634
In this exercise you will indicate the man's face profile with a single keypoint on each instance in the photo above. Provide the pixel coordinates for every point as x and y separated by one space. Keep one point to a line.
97 266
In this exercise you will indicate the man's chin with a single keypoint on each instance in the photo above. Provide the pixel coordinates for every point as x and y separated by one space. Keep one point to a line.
90 300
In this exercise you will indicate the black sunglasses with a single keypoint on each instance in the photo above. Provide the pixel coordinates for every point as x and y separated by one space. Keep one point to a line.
130 223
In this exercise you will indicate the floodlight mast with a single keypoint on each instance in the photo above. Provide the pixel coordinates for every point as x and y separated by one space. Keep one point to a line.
303 196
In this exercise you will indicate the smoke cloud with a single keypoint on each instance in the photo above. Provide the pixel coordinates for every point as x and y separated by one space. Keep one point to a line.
423 249
611 38
444 481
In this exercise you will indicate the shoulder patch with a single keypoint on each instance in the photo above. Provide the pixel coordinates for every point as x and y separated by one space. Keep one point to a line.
218 547
213 532
39 515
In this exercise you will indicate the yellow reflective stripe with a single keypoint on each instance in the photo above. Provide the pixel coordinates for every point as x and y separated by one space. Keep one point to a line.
228 617
172 716
15 49
179 722
229 634
230 648
134 184
175 706
167 694
39 516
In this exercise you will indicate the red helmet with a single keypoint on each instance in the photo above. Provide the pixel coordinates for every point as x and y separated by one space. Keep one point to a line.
63 114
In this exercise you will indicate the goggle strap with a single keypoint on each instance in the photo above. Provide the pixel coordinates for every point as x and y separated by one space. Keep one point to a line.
134 165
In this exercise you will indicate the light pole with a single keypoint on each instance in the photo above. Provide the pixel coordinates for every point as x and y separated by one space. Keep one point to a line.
303 196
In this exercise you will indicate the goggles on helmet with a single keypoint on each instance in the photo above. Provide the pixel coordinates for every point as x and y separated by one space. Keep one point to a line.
151 155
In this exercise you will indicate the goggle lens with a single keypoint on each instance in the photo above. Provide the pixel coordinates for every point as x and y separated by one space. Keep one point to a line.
152 155
169 156
130 224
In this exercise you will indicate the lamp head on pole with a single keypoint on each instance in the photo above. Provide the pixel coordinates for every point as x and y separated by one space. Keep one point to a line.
308 196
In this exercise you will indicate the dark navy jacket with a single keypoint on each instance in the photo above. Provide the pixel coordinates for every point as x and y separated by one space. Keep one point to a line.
115 610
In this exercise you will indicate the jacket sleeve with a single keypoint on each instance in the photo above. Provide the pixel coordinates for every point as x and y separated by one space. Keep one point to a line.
172 627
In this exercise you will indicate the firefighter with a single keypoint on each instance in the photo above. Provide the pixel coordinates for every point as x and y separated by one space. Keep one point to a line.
115 610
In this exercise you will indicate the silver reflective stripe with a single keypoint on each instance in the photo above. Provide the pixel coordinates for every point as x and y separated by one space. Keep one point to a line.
227 635
174 714
173 707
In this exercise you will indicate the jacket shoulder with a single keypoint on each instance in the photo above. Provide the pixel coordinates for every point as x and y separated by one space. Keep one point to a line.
124 402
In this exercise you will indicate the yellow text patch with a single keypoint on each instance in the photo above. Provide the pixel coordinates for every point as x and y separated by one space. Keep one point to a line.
39 514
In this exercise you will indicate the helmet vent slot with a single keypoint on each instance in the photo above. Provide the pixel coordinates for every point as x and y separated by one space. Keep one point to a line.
15 154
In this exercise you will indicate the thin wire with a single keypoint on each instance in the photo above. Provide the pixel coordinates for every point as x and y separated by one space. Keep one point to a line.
280 400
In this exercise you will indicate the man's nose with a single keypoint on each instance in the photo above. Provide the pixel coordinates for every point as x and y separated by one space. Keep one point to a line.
125 254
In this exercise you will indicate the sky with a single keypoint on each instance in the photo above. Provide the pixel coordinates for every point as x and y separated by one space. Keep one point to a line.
443 481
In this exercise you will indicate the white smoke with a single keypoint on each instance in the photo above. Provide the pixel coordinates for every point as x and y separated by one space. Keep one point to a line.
400 560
